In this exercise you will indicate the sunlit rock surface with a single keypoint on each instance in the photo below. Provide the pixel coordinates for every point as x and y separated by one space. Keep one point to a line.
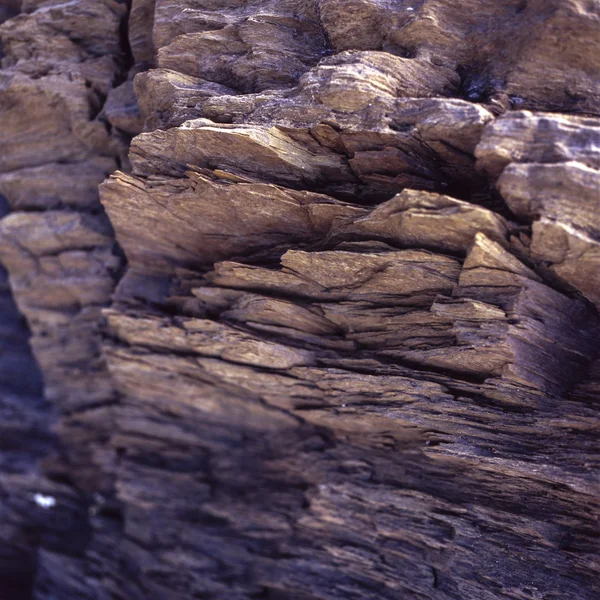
299 299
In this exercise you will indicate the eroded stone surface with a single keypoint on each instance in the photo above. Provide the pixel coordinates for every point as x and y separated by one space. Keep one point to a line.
353 353
59 61
548 168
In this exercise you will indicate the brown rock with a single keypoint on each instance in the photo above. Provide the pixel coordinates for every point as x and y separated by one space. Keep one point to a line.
336 334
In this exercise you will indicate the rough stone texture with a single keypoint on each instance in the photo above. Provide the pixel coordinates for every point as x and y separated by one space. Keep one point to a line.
60 61
346 342
550 173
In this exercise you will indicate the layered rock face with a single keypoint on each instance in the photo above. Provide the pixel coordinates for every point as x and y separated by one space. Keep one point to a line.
329 330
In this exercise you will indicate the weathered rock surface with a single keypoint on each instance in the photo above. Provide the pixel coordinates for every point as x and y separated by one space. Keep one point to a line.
329 329
60 60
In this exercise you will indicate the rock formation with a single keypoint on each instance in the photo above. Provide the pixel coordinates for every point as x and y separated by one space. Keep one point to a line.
299 299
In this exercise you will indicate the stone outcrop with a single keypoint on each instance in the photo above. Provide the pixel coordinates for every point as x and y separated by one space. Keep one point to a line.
312 286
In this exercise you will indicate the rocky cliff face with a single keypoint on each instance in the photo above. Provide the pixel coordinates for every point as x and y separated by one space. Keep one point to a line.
329 329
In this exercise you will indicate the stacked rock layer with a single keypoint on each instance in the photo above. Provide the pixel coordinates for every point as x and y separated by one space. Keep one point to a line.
329 330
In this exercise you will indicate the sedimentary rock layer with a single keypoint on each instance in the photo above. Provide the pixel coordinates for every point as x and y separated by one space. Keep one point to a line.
62 63
329 329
